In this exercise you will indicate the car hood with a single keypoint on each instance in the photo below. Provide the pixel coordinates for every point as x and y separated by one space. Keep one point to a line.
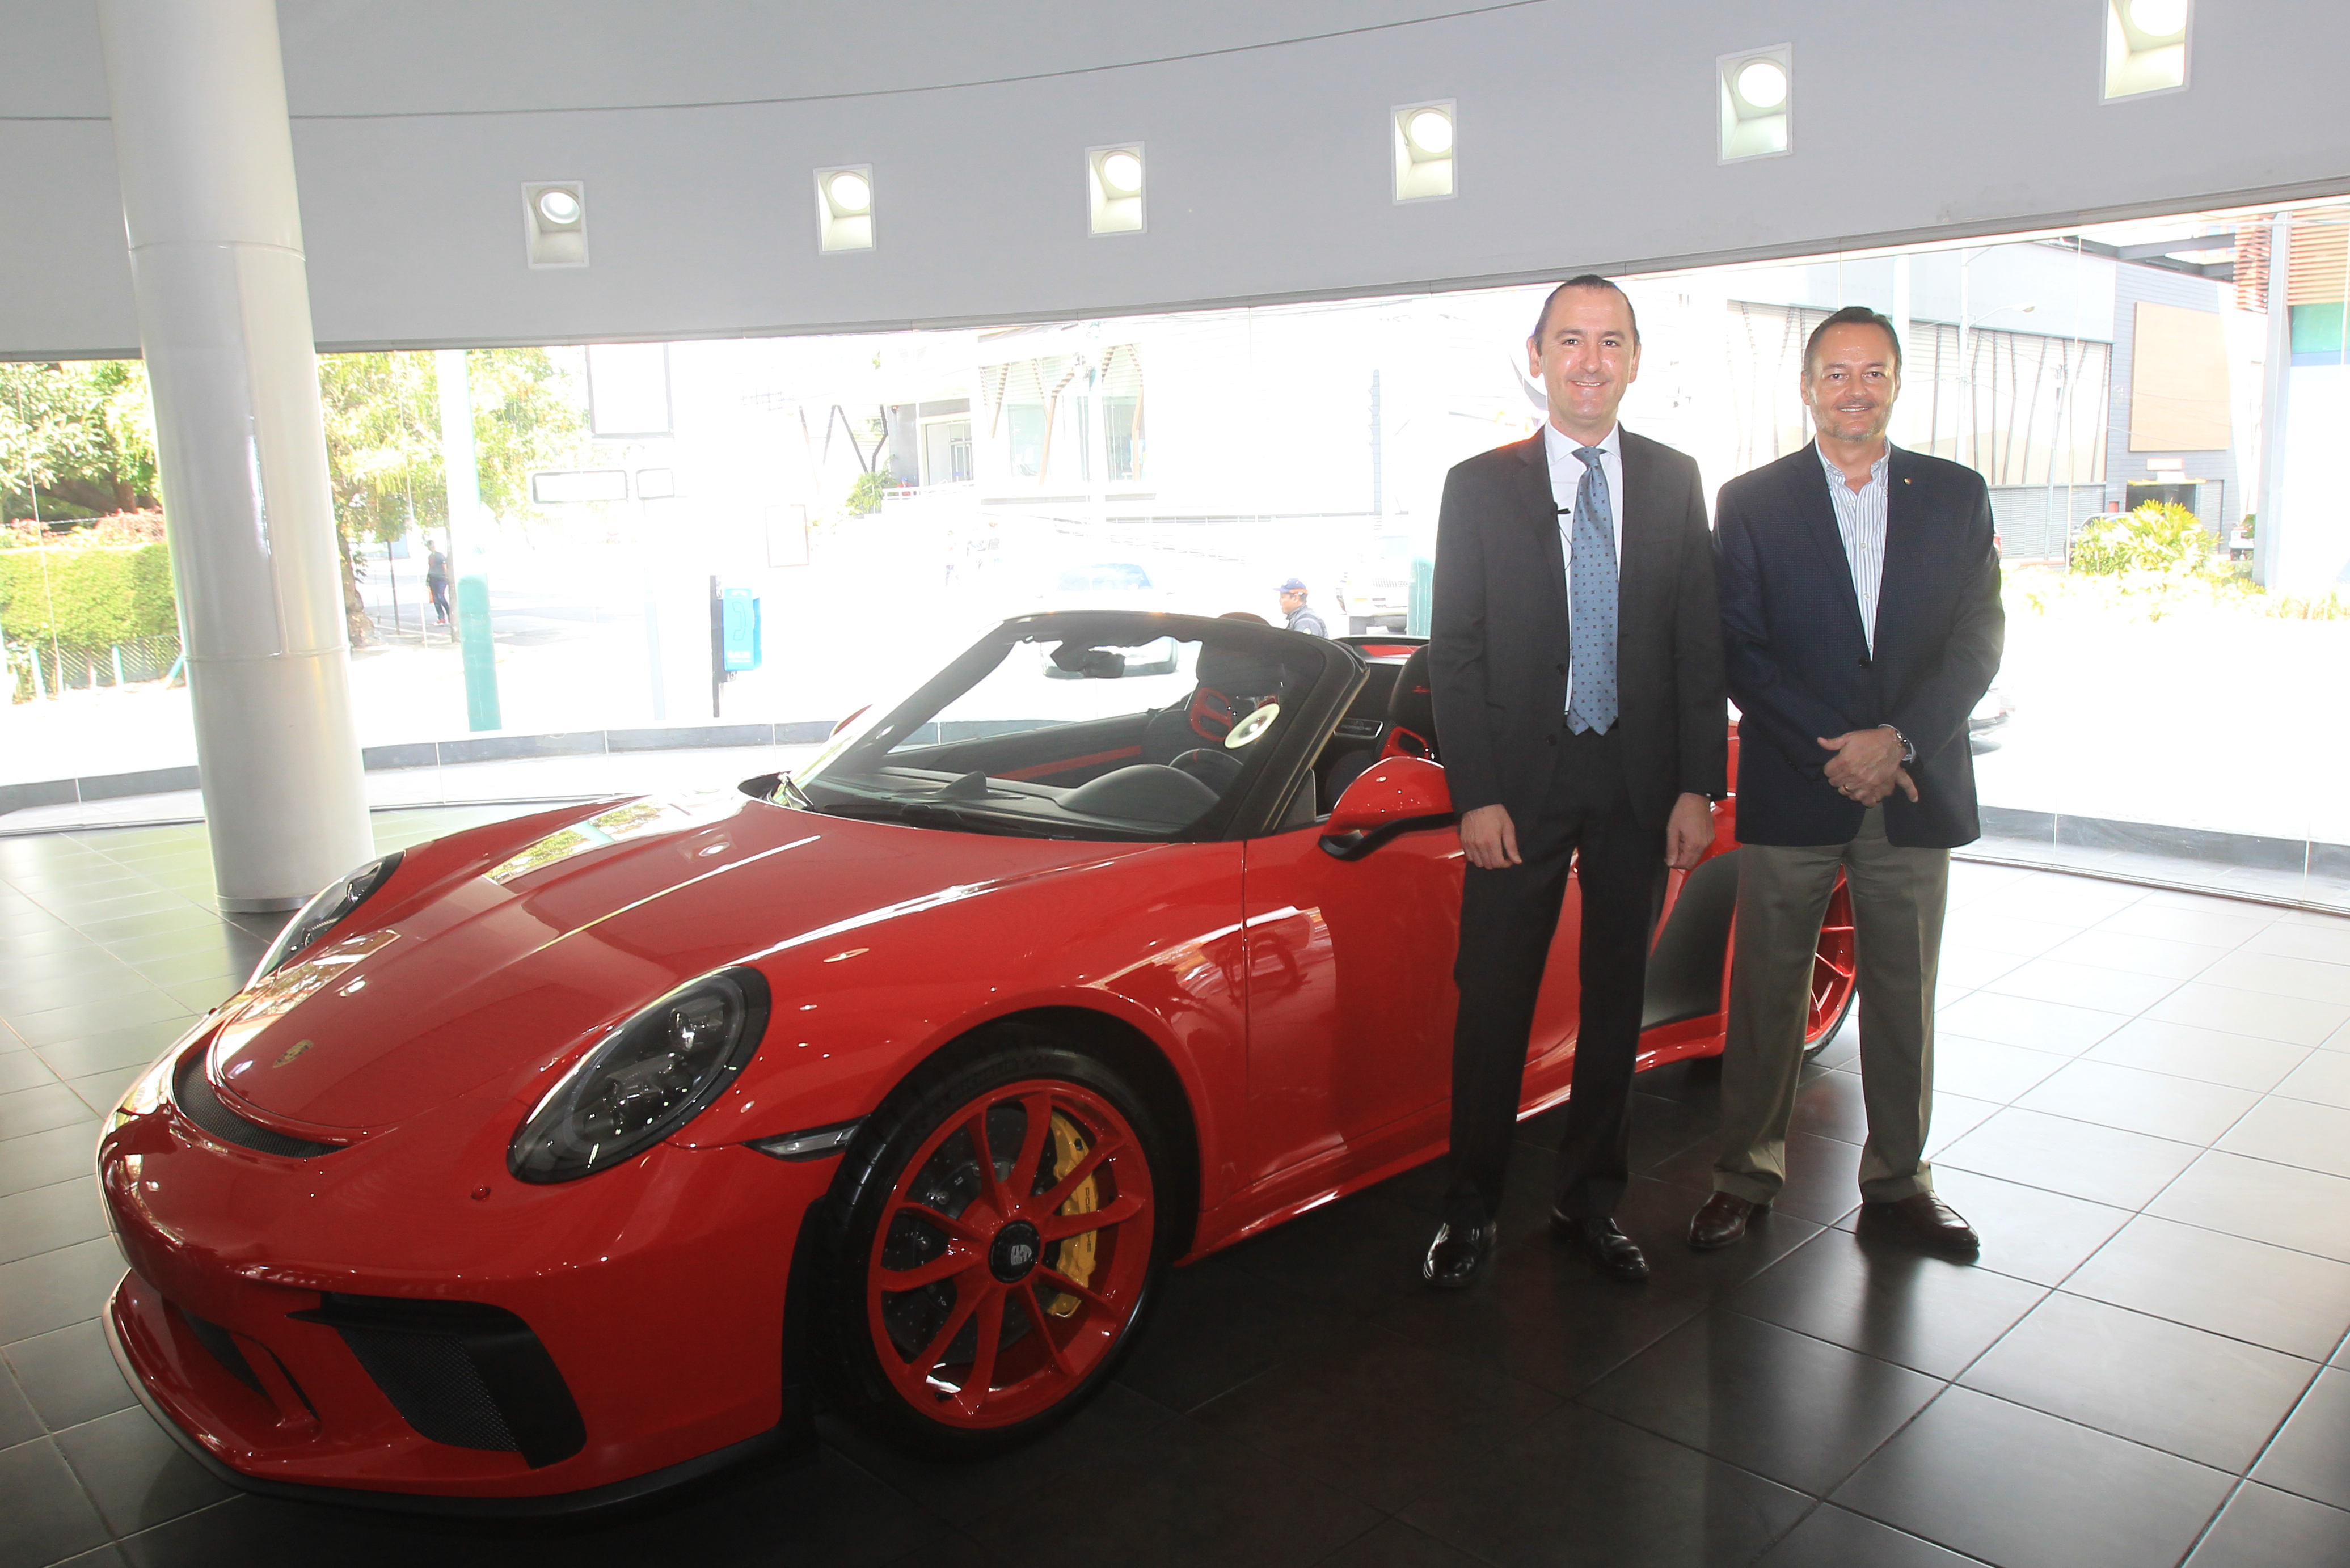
499 971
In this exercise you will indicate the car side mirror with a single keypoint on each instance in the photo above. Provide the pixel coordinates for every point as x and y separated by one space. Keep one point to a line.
1400 795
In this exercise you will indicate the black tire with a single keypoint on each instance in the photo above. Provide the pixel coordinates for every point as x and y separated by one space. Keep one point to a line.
853 1310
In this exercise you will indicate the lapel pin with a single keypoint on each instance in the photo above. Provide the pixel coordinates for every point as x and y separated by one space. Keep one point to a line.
1905 480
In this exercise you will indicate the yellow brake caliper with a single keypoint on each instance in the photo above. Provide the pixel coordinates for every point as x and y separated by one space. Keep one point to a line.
1075 1261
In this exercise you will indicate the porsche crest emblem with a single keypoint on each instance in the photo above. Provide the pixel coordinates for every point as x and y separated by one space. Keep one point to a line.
294 1050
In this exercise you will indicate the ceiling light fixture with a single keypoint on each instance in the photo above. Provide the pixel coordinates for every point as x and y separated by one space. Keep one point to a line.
1425 141
1756 92
844 209
554 223
1114 179
2145 46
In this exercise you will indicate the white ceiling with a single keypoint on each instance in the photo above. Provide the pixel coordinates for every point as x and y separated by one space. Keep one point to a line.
1587 139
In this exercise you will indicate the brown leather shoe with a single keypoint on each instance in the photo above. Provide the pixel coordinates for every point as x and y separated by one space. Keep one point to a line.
1722 1220
1927 1219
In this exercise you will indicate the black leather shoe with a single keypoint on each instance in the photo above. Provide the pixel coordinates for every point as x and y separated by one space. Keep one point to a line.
1611 1251
1457 1254
1926 1218
1722 1220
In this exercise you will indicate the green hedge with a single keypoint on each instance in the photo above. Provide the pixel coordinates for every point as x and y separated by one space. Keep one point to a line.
91 596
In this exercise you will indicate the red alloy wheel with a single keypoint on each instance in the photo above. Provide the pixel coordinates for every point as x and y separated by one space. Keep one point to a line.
997 1286
1833 968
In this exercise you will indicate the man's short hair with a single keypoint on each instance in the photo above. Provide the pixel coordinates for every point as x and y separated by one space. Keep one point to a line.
1586 280
1855 315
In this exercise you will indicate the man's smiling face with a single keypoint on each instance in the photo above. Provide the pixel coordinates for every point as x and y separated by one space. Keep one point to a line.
1851 382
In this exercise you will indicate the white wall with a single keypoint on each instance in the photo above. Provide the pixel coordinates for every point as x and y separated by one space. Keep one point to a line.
1587 139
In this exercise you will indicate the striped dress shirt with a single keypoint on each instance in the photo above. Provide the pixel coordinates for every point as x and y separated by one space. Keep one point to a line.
1860 518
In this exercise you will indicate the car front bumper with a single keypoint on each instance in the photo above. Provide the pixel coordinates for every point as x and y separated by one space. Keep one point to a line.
305 1323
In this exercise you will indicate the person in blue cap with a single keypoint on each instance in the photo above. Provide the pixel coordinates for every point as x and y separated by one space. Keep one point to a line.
1300 615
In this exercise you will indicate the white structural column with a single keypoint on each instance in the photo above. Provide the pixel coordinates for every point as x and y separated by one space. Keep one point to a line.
207 159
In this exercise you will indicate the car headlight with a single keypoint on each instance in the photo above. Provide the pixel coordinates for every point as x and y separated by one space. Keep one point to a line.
648 1078
338 899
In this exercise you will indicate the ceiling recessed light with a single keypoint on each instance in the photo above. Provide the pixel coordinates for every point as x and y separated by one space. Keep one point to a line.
1756 93
2160 18
554 223
850 193
1425 141
559 207
2145 46
1430 130
1122 174
1762 83
844 208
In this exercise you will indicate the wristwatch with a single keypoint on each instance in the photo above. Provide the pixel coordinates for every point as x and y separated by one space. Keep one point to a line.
1908 747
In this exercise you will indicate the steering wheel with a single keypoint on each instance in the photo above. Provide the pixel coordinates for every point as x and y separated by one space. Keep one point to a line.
1215 769
1255 724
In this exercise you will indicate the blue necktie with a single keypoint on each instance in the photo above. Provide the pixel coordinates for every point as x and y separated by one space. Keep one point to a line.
1591 580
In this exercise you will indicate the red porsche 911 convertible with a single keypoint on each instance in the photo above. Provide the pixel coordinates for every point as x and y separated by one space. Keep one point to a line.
553 1162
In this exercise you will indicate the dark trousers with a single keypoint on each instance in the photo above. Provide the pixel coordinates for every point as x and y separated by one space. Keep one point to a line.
1507 920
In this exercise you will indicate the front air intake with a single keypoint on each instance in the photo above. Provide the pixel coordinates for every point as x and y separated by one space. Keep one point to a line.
461 1373
201 1106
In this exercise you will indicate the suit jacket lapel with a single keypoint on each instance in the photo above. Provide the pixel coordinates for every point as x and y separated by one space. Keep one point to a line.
1817 509
1642 562
1541 513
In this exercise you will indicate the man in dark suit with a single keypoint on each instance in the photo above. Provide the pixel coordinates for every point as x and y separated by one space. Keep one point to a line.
1579 714
1861 623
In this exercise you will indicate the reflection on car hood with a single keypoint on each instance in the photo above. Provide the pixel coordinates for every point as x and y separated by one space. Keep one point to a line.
512 969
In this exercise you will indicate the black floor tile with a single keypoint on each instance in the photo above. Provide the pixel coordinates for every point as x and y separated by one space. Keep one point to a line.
1831 1538
2283 1205
46 1158
137 1476
261 1532
2213 1400
101 1092
48 1518
1797 1410
1579 1487
1829 1104
2022 1490
1186 1495
133 1047
2297 1303
54 1289
1395 1545
2027 1231
1656 1215
1925 1312
1540 1313
1376 1415
102 1016
963 1492
21 1069
70 1376
1353 1256
47 1218
2265 1529
182 969
1218 1327
2293 1132
19 1422
1823 1176
38 1109
2311 1455
2102 1163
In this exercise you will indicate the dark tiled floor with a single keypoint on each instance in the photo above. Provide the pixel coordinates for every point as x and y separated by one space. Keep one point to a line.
2144 1104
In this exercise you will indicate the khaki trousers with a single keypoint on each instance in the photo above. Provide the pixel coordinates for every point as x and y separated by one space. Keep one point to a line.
1898 901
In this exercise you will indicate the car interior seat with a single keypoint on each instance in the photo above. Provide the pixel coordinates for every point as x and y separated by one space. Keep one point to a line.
1191 735
1410 730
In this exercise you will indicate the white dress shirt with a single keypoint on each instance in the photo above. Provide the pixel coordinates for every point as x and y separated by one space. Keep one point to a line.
1860 519
1566 485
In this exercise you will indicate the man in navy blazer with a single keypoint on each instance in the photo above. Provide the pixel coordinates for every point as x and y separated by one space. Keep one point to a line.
1574 659
1861 623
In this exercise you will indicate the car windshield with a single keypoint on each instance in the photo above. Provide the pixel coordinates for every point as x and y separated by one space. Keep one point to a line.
1074 726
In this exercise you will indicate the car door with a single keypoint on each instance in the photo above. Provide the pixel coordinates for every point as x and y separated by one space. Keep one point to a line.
1350 993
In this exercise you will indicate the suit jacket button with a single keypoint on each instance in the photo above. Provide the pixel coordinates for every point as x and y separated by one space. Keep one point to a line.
1552 739
1562 669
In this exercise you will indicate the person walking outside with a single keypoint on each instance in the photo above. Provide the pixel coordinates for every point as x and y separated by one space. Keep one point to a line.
1302 615
1575 660
1861 622
436 582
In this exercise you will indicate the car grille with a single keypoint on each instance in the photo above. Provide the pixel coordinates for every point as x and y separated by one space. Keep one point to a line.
201 1106
223 1348
461 1373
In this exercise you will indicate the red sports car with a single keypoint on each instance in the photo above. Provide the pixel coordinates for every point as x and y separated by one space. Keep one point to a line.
549 1163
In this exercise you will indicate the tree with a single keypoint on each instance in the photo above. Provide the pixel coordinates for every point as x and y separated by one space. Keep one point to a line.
384 462
77 436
